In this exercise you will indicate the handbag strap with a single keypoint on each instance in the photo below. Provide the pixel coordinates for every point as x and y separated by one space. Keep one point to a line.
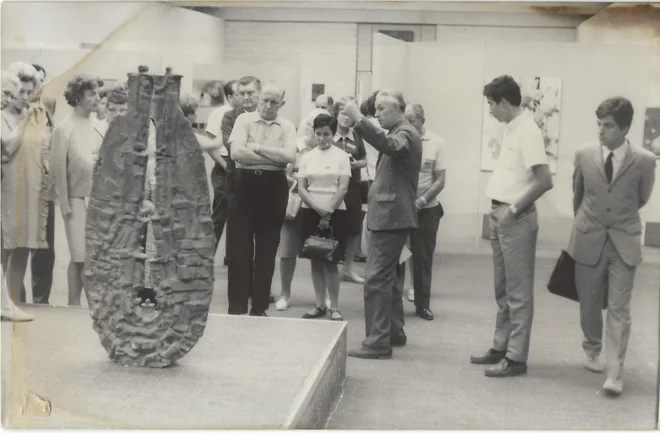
295 183
332 235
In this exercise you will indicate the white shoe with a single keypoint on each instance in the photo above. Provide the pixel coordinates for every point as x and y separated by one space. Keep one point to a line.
328 303
16 315
282 305
613 386
411 295
593 364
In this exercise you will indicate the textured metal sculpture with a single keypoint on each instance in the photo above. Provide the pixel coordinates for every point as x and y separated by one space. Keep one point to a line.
149 267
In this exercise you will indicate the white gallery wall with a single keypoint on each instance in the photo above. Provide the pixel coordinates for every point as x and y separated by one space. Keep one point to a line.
109 39
448 79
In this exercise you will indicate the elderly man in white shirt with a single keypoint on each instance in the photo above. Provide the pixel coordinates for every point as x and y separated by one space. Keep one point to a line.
429 211
521 177
262 143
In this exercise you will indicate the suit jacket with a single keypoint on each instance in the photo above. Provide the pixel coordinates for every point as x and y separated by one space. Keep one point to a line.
228 121
603 209
394 190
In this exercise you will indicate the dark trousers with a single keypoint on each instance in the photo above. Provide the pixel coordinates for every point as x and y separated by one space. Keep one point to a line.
221 196
256 213
422 247
383 287
43 261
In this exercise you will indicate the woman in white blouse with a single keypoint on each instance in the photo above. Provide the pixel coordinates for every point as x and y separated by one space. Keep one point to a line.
74 149
322 184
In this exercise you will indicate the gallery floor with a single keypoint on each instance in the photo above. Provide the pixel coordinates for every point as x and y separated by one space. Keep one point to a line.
430 384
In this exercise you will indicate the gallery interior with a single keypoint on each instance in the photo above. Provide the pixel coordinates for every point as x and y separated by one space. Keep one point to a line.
439 54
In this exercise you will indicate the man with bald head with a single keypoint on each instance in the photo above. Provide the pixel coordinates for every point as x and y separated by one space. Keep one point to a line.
324 102
261 145
391 216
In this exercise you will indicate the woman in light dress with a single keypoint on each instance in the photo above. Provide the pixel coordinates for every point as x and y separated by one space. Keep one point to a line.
74 149
11 86
25 143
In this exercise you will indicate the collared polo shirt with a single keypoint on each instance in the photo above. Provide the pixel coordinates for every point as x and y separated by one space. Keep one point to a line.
522 148
251 128
214 124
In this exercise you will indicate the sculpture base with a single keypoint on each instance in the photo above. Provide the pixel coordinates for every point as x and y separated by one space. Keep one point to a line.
244 373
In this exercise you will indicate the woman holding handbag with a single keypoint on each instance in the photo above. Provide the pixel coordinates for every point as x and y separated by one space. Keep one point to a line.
322 184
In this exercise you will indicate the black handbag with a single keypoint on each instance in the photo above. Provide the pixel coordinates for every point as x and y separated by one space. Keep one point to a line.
319 248
562 280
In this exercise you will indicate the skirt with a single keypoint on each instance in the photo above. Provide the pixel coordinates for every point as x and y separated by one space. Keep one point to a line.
309 226
291 240
354 212
74 225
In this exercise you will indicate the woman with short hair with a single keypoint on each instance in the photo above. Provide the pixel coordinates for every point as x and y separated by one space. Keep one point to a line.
74 149
322 184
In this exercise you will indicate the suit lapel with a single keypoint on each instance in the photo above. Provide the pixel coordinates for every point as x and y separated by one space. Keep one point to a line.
625 165
598 159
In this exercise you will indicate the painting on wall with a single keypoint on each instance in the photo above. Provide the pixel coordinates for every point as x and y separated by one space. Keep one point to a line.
541 99
652 130
204 89
317 90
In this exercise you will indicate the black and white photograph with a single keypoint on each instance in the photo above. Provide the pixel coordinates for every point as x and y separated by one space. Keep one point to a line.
374 215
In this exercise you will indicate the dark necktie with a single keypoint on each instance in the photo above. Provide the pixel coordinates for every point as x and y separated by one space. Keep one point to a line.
609 168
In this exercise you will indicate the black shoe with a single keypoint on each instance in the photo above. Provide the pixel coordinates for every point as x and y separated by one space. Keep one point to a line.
271 299
315 313
399 339
507 368
424 313
262 314
491 357
225 262
365 352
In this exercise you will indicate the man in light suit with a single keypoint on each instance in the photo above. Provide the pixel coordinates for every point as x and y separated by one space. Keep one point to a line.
611 182
392 214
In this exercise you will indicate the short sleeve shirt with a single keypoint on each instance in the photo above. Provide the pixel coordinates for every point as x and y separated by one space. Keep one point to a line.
433 159
322 169
522 148
214 124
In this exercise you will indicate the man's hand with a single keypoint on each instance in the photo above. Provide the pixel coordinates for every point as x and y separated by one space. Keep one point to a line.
352 111
508 217
419 203
355 164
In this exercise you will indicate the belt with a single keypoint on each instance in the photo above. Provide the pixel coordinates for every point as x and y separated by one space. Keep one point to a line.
257 172
498 203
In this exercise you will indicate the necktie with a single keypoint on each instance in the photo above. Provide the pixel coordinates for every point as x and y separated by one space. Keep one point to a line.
608 167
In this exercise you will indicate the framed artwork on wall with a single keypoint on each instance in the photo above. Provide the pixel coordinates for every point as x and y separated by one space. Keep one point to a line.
541 99
651 139
317 90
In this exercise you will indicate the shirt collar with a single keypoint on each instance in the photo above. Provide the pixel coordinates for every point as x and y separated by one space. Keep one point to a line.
258 119
350 136
619 152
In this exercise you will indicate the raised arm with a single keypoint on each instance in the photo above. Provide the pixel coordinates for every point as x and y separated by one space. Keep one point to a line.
396 145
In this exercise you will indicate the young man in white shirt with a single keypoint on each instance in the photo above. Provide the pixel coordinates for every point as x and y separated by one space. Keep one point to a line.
521 177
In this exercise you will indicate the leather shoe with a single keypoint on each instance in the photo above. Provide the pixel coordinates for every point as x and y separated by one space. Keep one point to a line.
613 386
424 313
593 364
507 368
262 314
491 357
366 352
399 339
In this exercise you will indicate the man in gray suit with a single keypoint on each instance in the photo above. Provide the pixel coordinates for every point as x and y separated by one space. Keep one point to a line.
611 182
392 214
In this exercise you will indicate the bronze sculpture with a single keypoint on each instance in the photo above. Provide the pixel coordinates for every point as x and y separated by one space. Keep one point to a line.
149 263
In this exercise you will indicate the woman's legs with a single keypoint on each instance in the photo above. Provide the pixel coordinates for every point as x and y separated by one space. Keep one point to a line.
75 276
318 279
16 267
287 269
331 272
352 241
10 311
